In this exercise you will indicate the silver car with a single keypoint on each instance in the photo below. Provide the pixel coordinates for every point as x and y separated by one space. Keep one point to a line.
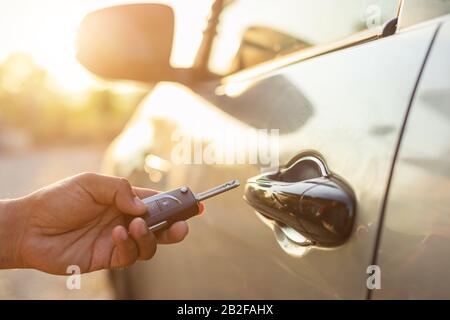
353 98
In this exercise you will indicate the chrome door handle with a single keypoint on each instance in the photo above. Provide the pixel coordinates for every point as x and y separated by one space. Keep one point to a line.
319 205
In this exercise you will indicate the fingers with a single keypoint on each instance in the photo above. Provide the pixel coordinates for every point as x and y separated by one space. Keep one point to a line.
145 240
126 251
176 233
140 243
143 192
136 243
112 190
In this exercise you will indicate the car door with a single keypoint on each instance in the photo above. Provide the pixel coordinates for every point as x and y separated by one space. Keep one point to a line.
340 103
412 253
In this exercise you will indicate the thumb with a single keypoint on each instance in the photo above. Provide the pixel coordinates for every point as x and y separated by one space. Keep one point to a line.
109 190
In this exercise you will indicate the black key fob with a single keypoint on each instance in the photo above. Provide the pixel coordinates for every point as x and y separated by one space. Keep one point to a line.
166 208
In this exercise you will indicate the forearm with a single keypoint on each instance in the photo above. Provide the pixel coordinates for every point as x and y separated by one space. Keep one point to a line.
11 229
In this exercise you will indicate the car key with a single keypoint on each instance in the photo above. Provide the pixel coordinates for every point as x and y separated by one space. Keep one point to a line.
164 209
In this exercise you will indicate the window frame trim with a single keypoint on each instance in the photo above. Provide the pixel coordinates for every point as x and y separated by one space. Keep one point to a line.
300 55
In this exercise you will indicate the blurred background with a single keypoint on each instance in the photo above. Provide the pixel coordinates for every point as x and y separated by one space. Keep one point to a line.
46 96
56 119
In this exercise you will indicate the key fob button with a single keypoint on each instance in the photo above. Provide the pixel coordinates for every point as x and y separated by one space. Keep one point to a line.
153 208
166 203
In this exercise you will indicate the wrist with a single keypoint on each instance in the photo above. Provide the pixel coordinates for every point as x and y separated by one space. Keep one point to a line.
12 225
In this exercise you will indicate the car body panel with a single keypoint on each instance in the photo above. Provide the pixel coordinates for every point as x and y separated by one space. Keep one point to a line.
413 253
348 106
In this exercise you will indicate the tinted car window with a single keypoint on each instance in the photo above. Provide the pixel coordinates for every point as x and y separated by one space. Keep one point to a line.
254 31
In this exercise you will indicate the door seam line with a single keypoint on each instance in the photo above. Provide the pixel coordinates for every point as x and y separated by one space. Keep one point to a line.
369 292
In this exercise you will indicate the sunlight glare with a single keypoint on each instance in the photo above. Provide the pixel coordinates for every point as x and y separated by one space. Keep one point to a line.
46 30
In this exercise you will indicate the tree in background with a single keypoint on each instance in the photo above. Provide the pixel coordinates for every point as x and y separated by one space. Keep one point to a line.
31 101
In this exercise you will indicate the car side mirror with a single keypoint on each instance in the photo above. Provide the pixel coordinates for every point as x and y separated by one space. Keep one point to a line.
129 42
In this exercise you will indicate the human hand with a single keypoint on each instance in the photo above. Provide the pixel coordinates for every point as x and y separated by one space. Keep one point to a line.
88 220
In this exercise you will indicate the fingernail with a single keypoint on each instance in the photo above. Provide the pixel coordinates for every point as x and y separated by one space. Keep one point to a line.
142 229
123 234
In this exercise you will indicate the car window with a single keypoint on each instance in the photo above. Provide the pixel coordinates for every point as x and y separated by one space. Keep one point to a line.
254 31
415 11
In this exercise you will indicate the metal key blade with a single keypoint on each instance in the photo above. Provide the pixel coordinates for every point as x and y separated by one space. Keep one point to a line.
217 190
